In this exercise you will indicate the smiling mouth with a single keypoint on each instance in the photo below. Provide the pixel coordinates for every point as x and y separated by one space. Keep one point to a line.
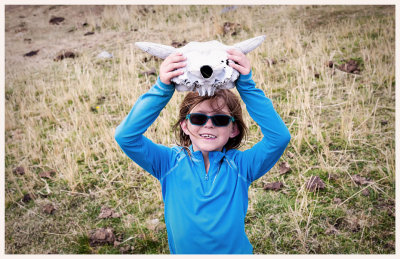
208 136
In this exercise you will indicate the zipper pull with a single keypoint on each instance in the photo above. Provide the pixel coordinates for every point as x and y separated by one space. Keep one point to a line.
206 178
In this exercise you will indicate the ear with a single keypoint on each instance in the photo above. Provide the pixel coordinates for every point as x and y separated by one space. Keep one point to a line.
158 50
250 44
184 127
235 131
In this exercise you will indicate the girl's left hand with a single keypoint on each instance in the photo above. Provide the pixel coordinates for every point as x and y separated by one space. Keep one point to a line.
242 62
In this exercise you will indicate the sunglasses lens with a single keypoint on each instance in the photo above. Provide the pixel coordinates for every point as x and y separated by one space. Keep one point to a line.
221 120
198 119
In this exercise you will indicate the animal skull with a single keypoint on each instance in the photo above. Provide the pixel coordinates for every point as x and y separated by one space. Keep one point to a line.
207 68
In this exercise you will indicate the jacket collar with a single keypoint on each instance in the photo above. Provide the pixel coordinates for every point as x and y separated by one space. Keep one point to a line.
212 155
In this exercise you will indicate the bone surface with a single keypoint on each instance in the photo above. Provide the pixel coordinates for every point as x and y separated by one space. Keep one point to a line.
207 68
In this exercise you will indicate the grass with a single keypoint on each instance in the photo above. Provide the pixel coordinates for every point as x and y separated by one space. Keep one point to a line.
62 115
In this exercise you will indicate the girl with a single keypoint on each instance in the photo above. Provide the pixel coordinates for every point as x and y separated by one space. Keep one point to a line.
205 180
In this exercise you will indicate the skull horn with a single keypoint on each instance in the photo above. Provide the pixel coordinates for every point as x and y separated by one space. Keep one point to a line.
158 50
250 44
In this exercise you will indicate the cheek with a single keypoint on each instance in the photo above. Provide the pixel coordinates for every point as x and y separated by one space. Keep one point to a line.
188 128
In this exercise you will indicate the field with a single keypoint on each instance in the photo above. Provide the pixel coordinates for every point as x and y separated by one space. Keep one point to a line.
329 71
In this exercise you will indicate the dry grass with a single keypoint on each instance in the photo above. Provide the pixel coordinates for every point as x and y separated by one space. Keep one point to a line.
62 115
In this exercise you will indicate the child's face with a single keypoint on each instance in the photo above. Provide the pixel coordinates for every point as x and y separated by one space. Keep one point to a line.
208 137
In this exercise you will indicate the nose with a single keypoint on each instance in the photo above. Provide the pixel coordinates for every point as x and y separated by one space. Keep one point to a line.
209 124
206 71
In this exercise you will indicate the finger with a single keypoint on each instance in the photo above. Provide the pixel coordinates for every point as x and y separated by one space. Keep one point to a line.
235 58
241 69
175 57
235 52
173 66
175 73
235 66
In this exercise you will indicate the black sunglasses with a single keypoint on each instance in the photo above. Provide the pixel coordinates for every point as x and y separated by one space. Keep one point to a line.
219 120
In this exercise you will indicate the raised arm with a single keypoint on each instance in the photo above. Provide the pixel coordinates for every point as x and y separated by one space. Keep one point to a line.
152 157
262 156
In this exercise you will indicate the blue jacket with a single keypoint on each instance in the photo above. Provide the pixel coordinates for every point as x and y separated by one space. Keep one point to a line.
204 215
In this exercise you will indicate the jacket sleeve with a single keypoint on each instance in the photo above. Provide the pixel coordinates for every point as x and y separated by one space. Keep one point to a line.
262 156
153 158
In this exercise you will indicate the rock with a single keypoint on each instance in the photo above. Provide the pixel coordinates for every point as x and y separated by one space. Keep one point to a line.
101 236
27 198
276 186
56 20
329 64
48 174
315 183
65 54
350 66
31 53
361 180
19 170
107 212
284 168
155 225
48 208
105 55
290 154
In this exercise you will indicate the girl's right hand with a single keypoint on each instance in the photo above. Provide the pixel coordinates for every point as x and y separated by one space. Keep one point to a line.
169 68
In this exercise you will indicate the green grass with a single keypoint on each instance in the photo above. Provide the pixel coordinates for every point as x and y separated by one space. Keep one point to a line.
62 116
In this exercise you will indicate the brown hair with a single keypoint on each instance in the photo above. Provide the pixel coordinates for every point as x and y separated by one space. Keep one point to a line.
231 101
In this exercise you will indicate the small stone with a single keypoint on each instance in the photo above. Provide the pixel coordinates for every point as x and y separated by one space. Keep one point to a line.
27 198
360 180
31 53
47 174
329 64
48 208
107 212
337 200
19 170
315 183
276 186
101 236
365 192
284 168
105 55
56 20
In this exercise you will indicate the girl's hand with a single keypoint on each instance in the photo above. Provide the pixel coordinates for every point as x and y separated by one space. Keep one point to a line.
168 68
241 62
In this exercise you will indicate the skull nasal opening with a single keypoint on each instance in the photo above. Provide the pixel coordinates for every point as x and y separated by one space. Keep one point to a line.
206 71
